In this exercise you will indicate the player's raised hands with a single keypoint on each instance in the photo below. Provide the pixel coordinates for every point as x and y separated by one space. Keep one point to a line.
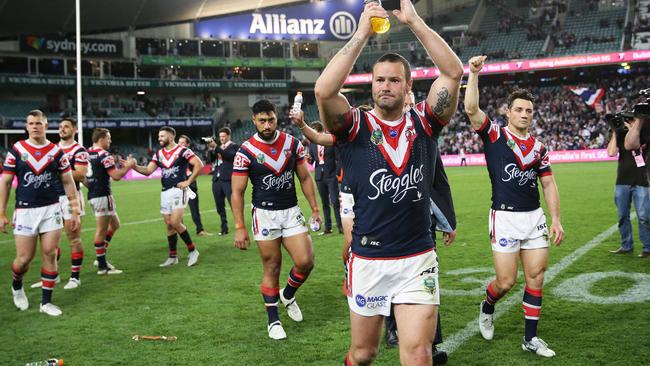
370 10
297 117
241 239
406 14
476 64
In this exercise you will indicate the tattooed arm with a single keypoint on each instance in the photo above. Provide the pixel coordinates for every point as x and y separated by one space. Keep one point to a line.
332 105
443 95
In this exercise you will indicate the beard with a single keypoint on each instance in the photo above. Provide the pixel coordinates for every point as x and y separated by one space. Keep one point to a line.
390 104
266 136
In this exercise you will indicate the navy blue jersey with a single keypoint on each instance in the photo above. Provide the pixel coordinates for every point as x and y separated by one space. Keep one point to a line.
389 168
38 170
77 156
270 167
174 165
100 163
514 165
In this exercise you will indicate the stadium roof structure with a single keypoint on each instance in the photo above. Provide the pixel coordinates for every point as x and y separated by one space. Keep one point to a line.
101 16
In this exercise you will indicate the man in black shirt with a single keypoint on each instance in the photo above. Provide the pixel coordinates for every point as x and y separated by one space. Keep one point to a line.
222 156
325 170
185 141
631 184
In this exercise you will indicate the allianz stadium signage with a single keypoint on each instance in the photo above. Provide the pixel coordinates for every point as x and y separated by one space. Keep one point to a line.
53 45
123 123
334 20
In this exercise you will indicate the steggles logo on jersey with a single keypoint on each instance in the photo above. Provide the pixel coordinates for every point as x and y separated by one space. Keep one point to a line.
171 172
397 187
513 172
37 180
278 182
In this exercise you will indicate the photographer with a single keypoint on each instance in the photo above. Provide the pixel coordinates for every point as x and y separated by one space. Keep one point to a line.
221 156
631 181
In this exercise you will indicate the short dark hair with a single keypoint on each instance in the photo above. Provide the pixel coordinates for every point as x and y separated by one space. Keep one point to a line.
263 105
99 133
189 141
37 113
225 130
520 94
72 121
168 129
317 126
395 58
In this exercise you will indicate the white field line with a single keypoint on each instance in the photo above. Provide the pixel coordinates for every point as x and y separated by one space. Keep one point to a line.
456 340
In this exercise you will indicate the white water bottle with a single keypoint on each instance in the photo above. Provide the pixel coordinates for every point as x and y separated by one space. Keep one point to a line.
297 102
314 225
48 362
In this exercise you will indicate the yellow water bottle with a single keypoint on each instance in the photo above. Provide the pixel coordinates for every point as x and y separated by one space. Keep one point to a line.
379 25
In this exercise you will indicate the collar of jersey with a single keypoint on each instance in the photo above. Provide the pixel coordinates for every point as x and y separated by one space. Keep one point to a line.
258 138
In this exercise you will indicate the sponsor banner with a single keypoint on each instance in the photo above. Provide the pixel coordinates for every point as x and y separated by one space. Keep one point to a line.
333 20
49 45
68 81
232 62
527 65
566 156
124 123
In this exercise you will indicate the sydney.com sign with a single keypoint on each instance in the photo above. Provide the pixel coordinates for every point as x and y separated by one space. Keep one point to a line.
334 20
67 46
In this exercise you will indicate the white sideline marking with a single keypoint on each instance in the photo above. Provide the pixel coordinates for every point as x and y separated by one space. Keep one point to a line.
457 339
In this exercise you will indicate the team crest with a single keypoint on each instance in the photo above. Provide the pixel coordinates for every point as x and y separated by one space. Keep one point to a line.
411 134
376 137
260 158
430 284
287 153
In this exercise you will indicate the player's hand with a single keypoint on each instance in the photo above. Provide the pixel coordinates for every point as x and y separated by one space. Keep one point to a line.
184 184
315 217
448 238
76 220
556 233
370 10
476 64
241 239
297 117
406 14
3 223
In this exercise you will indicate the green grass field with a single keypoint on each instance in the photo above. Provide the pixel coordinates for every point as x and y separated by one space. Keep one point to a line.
215 309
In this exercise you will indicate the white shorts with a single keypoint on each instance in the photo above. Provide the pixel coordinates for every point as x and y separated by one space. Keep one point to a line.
272 224
375 284
67 210
512 231
347 205
103 206
38 220
172 199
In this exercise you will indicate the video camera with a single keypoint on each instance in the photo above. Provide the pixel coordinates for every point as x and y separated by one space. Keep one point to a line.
616 121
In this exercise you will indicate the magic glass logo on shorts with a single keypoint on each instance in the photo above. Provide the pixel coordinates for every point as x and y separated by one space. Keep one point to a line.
372 302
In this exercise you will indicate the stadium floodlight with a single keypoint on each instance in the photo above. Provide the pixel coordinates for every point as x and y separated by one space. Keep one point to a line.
141 92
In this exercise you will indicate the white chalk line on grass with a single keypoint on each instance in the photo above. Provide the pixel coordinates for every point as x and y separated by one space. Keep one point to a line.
456 340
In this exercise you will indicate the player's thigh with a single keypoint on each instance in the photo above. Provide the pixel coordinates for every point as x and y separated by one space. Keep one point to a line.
25 247
300 248
365 331
534 263
416 324
505 266
101 224
50 241
270 251
176 216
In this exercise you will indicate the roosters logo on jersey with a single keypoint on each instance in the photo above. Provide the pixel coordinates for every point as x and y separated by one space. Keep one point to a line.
396 187
171 172
37 180
512 172
278 183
